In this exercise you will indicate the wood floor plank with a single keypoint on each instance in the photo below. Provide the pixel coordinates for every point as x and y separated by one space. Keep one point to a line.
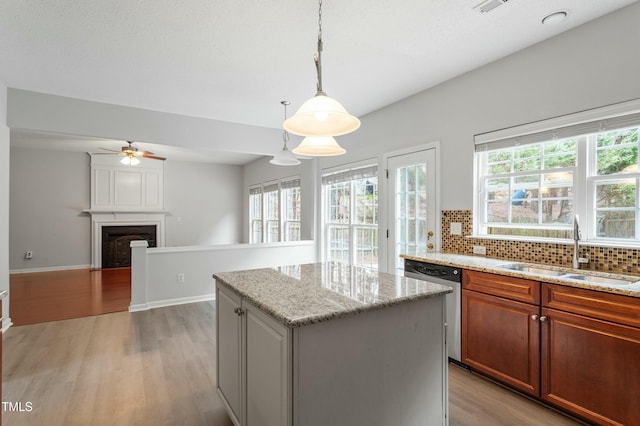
157 367
51 296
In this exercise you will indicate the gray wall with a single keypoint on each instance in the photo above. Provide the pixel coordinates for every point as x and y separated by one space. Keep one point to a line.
49 190
590 66
4 199
205 202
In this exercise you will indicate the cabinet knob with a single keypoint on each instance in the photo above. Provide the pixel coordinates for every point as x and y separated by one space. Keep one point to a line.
430 246
543 318
534 317
238 311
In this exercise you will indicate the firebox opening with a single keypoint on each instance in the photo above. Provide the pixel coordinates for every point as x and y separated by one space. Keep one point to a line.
116 251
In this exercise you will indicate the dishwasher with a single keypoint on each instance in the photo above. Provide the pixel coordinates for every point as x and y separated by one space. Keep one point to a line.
451 277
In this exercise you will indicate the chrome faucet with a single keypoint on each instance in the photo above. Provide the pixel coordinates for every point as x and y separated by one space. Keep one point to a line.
577 260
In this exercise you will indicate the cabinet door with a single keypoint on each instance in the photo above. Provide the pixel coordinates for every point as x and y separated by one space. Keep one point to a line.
268 366
591 367
501 338
229 351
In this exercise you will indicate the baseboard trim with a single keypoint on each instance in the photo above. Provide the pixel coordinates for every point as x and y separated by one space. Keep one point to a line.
6 323
48 269
171 302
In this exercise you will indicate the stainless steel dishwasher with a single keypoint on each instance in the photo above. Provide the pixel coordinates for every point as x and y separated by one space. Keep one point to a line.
451 277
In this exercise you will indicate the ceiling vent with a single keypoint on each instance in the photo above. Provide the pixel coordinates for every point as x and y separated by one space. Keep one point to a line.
489 5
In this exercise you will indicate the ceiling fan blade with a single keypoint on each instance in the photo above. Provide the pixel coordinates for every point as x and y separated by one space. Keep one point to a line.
153 157
106 149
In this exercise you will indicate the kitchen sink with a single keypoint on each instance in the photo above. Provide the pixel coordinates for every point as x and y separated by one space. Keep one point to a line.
597 280
532 269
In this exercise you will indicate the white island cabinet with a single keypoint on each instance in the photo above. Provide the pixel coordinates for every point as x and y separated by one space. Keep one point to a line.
330 344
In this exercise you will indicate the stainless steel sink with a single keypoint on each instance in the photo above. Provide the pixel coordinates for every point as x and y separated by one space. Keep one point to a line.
532 269
597 280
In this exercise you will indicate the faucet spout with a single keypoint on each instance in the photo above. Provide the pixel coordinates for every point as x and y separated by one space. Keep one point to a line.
577 260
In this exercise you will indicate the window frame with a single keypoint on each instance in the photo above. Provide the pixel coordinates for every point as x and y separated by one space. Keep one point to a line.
349 175
584 126
263 190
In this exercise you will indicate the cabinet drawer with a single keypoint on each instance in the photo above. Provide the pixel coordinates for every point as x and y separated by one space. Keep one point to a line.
596 304
519 289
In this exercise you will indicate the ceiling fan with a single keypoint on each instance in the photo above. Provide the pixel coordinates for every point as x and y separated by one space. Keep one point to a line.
130 153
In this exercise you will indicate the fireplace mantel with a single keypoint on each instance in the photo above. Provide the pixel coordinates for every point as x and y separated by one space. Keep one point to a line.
125 196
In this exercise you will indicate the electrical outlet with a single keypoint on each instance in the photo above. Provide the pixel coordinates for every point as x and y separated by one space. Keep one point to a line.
455 228
480 250
180 278
28 254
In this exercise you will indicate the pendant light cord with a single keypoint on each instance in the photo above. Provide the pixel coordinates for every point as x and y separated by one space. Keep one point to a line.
285 134
318 56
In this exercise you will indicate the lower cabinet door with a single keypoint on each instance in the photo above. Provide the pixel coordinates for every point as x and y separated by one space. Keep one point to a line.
268 370
591 367
501 338
229 352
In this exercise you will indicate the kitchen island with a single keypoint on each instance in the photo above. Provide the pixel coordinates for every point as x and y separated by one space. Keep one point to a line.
330 344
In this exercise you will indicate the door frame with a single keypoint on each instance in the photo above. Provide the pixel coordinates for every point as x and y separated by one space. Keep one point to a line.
388 201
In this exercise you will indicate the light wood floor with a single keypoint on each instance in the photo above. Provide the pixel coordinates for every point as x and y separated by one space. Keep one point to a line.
157 367
50 296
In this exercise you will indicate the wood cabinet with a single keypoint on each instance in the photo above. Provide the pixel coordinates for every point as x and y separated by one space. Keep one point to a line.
576 349
501 334
253 363
591 354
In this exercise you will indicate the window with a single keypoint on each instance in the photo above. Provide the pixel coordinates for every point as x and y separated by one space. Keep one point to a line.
350 199
533 184
291 209
271 197
275 211
255 214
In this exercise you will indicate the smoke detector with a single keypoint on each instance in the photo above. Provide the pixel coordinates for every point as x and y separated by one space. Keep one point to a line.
489 5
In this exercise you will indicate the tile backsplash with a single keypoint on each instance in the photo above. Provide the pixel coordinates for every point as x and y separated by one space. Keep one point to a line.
606 259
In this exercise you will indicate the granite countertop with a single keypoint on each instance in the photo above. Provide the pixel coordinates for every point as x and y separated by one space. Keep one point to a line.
300 295
495 266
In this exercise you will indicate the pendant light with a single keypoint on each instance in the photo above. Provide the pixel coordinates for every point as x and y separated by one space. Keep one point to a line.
321 116
285 157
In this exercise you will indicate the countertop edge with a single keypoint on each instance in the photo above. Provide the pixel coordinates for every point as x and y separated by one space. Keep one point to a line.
456 260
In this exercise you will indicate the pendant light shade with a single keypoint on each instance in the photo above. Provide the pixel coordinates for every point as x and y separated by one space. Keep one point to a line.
319 146
285 157
321 116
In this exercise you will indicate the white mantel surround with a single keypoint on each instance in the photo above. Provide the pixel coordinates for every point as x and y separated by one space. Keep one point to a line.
125 196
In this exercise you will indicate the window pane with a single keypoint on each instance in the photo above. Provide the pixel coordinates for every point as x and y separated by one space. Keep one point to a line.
338 243
527 157
560 154
617 152
616 224
619 194
366 244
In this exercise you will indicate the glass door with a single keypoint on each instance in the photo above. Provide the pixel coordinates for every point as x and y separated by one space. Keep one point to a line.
413 212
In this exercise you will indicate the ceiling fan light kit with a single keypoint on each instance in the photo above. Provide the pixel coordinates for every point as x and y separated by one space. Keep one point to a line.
130 154
321 117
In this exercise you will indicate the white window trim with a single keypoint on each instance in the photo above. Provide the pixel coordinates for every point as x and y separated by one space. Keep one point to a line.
372 162
281 212
582 206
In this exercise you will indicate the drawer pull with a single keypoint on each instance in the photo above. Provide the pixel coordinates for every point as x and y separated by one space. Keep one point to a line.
534 317
543 318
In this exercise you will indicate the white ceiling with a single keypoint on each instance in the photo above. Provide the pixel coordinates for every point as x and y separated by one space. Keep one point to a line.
235 60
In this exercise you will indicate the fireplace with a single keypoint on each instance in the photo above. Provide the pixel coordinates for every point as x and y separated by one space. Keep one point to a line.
116 251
